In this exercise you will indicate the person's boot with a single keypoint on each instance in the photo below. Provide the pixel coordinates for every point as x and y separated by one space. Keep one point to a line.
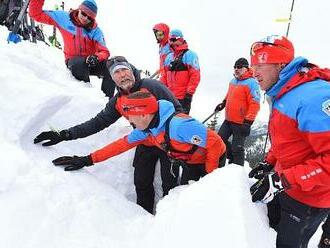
325 241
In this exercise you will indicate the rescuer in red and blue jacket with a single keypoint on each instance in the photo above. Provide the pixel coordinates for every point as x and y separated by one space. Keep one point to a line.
182 70
242 106
162 31
297 168
85 50
183 138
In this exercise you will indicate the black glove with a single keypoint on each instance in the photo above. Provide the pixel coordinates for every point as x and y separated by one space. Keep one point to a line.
187 102
260 170
220 106
246 128
53 137
73 162
187 98
269 186
92 60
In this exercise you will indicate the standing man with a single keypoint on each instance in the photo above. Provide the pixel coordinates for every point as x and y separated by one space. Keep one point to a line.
299 128
182 137
242 106
182 70
85 50
146 155
162 31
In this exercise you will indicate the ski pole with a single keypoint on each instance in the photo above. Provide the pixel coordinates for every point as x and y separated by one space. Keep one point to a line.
154 75
290 19
209 116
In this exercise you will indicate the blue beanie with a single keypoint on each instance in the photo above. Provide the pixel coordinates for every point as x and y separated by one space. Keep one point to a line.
176 33
90 7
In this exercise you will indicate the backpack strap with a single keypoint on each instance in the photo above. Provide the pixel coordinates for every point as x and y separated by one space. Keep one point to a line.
167 144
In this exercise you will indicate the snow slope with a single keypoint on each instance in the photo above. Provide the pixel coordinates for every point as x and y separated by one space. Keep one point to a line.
43 206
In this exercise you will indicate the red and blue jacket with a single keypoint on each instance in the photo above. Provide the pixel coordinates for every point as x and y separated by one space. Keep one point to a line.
164 49
182 71
242 99
300 131
184 133
78 40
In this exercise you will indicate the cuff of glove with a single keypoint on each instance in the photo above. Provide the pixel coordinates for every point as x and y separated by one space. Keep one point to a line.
188 96
66 135
89 160
247 122
286 180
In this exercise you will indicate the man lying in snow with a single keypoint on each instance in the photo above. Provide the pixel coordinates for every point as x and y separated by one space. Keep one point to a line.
183 138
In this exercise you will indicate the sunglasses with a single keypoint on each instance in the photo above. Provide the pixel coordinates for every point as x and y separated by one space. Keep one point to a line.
261 44
174 39
238 67
85 15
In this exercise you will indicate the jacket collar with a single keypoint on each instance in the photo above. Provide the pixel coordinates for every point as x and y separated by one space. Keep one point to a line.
286 74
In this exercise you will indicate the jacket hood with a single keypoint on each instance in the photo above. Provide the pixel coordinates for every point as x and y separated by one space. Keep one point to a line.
164 28
166 109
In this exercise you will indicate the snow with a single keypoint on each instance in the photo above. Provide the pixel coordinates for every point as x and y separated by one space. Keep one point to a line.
43 206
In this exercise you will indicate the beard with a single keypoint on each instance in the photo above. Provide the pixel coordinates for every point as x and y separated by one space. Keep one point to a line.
126 84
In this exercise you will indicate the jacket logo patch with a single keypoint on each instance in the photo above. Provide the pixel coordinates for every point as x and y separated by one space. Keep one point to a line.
326 107
196 140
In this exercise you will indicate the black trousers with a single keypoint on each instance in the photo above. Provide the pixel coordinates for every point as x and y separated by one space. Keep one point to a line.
81 71
145 160
326 227
235 149
196 171
297 222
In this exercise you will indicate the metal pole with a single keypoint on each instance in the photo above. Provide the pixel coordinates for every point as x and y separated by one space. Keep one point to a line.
290 18
209 117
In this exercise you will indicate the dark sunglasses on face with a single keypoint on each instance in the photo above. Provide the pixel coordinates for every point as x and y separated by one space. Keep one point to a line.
173 39
85 15
238 67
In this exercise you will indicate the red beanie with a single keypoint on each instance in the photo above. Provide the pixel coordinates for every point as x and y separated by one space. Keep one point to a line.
140 106
272 50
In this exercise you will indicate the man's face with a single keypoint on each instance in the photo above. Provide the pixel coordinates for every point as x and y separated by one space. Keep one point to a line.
124 78
239 71
175 42
84 18
140 122
159 35
267 74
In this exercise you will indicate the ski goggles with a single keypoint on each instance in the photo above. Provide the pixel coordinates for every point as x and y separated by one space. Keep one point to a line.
259 45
